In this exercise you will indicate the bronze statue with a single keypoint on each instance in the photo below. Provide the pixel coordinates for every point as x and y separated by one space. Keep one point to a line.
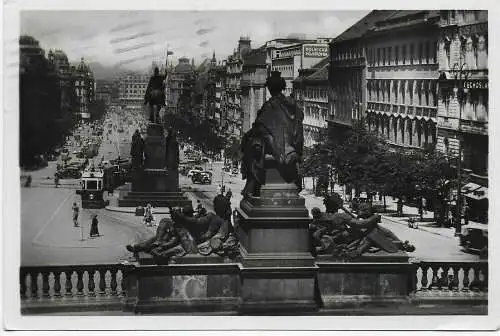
184 234
276 134
155 95
346 237
137 150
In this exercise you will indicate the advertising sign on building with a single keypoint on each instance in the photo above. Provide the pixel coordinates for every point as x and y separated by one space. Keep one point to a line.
316 51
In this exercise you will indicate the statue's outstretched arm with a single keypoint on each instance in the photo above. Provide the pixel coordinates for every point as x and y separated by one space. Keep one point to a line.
365 223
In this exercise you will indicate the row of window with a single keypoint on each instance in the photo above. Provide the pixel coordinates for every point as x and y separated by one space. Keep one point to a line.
407 92
461 17
471 51
423 52
411 132
286 70
315 93
472 106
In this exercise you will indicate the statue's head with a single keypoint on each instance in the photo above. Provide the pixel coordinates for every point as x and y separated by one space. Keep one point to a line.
156 71
316 213
275 83
333 202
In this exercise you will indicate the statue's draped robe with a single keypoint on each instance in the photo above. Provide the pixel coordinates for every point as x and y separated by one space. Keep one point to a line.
137 150
277 131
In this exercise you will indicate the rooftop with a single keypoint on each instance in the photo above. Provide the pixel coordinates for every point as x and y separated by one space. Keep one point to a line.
255 56
362 26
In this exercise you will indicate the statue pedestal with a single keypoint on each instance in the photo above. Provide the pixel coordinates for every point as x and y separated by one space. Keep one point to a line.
278 271
155 184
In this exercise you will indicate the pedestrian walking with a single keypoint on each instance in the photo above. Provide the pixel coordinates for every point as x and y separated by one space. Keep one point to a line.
400 207
56 179
76 211
94 228
466 212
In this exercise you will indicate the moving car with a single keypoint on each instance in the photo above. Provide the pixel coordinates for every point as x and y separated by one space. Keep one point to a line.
194 170
204 177
474 238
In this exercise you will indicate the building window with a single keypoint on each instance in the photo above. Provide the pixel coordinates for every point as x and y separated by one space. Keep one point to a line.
396 55
389 55
403 56
447 45
378 56
412 56
383 56
463 49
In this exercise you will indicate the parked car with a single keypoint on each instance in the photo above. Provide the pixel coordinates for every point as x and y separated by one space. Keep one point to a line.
474 238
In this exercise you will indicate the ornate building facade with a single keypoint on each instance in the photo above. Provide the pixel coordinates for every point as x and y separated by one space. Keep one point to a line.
463 99
132 88
401 80
84 87
311 90
177 78
253 90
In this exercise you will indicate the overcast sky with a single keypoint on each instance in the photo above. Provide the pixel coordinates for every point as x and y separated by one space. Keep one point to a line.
137 38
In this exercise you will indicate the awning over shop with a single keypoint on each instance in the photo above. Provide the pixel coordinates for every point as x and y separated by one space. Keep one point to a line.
478 194
469 187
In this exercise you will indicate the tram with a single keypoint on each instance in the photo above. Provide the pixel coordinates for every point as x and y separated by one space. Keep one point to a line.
92 189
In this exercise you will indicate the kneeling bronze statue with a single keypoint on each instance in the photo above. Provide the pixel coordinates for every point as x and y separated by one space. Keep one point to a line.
346 237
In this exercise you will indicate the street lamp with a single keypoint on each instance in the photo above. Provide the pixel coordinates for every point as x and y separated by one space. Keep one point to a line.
460 76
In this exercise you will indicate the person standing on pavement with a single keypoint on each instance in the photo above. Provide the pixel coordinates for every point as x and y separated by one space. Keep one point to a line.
94 229
466 212
76 211
56 179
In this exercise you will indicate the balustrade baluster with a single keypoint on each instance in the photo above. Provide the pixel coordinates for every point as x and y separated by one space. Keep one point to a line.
22 280
123 283
91 274
456 280
424 281
113 283
79 284
102 282
34 285
45 284
434 277
466 280
68 285
57 284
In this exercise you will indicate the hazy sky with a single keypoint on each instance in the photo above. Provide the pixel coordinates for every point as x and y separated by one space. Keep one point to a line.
137 38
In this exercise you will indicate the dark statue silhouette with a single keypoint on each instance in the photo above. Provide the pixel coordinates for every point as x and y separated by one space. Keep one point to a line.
276 136
155 95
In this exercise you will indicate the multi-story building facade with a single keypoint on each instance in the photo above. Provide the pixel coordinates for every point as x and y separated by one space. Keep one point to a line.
311 91
463 99
104 92
84 87
347 74
401 79
69 103
132 88
289 59
253 89
177 79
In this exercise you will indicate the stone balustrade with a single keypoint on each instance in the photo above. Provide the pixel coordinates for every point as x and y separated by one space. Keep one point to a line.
451 278
88 287
53 289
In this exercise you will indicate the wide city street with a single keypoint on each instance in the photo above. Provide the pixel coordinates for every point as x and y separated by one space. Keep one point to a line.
49 237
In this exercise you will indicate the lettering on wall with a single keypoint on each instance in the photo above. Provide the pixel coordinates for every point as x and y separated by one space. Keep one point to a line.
315 51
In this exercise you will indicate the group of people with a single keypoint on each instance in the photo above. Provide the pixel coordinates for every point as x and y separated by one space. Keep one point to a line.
94 225
189 233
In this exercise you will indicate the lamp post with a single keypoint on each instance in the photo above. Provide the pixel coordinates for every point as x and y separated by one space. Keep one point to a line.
460 76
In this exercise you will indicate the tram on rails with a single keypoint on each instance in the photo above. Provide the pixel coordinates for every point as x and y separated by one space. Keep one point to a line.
92 189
